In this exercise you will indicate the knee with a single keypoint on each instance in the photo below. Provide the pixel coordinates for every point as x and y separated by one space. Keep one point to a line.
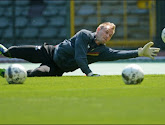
41 71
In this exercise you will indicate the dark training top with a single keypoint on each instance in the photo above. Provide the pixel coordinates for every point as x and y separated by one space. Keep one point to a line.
81 50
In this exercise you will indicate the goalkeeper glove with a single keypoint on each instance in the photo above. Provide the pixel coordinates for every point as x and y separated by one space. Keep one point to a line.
94 75
148 51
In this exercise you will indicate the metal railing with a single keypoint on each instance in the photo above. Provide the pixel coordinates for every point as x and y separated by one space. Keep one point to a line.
125 41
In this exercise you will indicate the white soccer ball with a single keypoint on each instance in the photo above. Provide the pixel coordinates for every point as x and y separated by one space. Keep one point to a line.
15 74
163 35
132 74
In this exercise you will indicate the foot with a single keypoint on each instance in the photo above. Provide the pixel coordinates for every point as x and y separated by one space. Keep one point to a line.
2 72
2 49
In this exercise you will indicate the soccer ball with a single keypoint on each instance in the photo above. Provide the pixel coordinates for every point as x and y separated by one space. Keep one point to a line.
15 74
132 74
163 35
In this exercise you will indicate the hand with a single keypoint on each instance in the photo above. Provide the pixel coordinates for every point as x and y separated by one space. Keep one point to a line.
94 75
148 51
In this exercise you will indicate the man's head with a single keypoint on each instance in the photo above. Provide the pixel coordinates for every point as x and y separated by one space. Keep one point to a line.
104 32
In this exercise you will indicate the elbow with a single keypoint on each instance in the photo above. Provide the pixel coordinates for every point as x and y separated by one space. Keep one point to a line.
81 61
78 60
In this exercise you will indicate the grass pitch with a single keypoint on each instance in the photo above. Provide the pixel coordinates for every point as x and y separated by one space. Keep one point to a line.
83 100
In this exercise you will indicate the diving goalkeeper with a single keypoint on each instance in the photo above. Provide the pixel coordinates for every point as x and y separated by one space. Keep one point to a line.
84 48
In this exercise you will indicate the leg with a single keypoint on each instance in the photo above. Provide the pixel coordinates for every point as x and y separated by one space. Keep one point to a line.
28 52
45 70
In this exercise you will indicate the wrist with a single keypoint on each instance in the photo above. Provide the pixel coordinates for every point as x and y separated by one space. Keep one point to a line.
140 53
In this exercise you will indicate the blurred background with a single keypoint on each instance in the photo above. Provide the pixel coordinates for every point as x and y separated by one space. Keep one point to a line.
33 22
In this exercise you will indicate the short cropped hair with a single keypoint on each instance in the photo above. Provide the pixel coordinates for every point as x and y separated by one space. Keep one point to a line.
112 25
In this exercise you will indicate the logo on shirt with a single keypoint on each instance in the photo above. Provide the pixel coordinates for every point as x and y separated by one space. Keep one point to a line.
93 53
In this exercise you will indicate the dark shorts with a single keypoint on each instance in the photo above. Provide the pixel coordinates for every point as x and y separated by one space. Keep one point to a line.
37 54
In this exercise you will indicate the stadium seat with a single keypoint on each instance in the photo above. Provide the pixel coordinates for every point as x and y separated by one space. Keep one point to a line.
7 11
50 11
57 21
2 10
92 21
56 2
8 33
63 33
22 2
63 12
4 22
113 19
30 32
86 10
38 21
131 20
19 11
79 21
105 10
139 11
48 32
119 32
21 21
5 2
118 12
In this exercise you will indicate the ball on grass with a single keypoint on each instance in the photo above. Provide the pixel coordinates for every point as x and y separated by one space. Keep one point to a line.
163 35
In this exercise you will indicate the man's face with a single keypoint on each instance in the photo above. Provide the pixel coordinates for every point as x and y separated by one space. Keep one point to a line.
104 34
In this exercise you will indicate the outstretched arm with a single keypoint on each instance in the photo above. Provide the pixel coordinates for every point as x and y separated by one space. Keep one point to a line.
146 51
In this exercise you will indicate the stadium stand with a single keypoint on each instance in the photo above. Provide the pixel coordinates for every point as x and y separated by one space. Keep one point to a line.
35 22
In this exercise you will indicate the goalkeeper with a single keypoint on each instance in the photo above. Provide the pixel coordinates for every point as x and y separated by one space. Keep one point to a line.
84 48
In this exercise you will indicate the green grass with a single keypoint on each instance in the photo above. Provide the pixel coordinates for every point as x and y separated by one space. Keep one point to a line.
82 100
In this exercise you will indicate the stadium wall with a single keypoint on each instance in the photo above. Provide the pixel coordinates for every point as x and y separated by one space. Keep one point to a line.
38 21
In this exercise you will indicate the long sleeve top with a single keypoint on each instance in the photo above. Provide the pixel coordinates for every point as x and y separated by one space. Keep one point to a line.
81 50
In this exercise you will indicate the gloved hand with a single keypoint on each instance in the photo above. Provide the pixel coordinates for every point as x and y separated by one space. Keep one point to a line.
148 51
94 75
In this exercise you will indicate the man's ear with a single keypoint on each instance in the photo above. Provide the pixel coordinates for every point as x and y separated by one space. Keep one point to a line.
98 29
